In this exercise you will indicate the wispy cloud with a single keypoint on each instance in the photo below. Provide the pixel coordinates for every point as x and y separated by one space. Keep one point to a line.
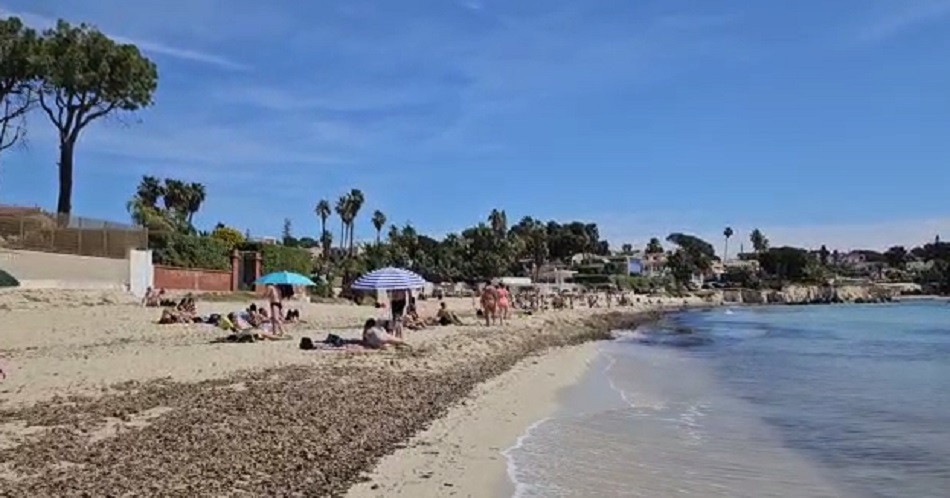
901 17
42 22
183 54
225 147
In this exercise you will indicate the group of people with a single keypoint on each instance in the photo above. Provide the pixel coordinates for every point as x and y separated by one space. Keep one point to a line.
266 322
496 303
185 311
404 314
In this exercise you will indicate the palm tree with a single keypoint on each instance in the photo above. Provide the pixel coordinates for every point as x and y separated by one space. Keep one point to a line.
196 197
379 221
342 210
356 203
149 191
727 233
323 212
498 221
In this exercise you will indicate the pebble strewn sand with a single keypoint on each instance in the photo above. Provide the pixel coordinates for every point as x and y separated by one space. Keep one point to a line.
86 409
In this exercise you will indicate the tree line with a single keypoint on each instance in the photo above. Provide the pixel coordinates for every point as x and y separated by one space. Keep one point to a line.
493 247
71 76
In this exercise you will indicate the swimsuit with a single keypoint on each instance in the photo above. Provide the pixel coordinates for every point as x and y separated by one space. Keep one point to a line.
398 308
488 302
502 298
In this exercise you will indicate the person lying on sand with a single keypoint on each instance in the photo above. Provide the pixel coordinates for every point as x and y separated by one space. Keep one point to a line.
243 331
171 316
375 337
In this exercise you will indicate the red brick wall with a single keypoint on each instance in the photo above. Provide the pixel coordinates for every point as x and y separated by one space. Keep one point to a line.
168 277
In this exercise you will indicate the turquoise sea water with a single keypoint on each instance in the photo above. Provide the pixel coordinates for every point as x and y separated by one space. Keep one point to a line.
837 401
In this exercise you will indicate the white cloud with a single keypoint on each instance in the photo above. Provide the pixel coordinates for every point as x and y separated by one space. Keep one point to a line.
905 15
333 98
41 22
183 53
210 144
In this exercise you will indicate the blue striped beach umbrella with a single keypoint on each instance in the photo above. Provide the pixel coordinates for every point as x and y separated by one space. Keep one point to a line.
389 279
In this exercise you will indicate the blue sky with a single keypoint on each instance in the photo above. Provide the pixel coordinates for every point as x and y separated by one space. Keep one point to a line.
818 122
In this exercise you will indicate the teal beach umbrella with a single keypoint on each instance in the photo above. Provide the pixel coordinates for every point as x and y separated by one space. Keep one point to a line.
284 278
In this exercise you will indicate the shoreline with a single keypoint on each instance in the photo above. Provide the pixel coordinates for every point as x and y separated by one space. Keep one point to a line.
258 419
466 449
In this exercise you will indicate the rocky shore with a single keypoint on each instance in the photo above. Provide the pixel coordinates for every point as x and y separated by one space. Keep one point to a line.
811 294
294 431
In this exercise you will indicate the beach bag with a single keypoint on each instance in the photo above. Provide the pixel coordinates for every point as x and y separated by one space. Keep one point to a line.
306 344
334 340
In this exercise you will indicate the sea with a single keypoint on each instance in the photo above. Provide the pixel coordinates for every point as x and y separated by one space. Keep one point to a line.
807 401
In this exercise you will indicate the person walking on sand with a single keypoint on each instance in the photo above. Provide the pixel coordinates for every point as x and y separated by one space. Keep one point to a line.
504 303
276 309
489 303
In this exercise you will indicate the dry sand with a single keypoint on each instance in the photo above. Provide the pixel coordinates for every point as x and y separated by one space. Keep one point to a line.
57 343
100 399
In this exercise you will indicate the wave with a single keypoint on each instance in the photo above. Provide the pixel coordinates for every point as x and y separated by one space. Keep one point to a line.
627 397
673 335
521 488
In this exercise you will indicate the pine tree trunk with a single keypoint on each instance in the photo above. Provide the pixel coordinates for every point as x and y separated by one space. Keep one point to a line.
64 205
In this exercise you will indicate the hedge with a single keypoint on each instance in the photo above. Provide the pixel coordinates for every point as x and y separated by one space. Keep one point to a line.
190 251
282 258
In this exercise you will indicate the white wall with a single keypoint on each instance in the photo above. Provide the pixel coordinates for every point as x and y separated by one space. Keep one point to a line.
41 270
141 271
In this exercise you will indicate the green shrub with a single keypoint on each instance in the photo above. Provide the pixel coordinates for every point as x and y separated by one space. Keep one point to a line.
7 280
596 279
282 258
190 251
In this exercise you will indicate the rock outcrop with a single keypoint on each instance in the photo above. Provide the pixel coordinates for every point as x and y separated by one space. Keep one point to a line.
811 294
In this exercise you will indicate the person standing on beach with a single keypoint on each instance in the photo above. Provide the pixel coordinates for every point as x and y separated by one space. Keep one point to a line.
276 309
504 303
489 303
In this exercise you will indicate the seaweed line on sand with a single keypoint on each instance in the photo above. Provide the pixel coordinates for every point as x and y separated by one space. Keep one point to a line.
294 431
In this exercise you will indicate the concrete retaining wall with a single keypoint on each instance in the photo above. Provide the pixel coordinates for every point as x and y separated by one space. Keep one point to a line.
40 270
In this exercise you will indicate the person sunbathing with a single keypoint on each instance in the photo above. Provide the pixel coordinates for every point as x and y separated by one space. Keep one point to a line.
412 321
240 327
187 308
170 316
375 337
445 317
153 298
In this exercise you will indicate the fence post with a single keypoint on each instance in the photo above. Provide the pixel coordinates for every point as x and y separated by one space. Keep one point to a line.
105 240
79 237
22 230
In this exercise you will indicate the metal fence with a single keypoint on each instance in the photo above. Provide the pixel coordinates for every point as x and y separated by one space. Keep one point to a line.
36 230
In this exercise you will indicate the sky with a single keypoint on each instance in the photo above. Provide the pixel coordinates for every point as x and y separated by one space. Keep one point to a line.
818 122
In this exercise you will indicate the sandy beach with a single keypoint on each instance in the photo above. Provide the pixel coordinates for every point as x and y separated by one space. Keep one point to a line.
99 398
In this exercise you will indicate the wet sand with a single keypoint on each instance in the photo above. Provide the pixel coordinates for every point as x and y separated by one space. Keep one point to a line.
462 453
